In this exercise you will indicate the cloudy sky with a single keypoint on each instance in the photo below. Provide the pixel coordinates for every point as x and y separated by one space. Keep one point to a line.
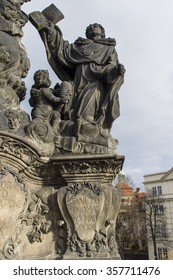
143 30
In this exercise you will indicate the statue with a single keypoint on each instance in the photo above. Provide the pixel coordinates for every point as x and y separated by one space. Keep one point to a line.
91 77
91 66
17 120
47 104
44 101
14 62
14 67
56 169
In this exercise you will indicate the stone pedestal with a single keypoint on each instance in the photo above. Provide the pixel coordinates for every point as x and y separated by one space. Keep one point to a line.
89 205
63 207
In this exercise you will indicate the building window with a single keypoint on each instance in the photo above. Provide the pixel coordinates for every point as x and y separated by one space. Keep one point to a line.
154 191
157 190
159 209
162 253
160 230
165 253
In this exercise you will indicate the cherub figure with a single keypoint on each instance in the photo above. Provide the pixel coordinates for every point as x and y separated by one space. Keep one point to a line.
44 101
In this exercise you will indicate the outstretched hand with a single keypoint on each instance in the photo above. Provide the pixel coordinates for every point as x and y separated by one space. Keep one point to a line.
121 69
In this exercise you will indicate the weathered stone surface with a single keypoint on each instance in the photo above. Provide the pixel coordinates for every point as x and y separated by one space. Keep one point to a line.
89 206
40 19
14 62
29 212
80 225
90 219
56 197
92 69
53 14
13 199
74 116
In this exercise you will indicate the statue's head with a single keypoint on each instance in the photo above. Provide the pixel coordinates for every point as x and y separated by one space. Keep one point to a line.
95 31
11 11
13 119
41 78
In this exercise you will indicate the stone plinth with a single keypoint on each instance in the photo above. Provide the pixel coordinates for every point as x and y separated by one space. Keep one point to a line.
89 205
56 208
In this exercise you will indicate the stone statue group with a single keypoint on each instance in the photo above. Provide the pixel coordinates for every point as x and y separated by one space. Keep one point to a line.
57 165
75 115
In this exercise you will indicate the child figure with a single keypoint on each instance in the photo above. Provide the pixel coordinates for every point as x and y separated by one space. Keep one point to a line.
44 101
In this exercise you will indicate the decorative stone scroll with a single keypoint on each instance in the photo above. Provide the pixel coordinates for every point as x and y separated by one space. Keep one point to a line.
13 201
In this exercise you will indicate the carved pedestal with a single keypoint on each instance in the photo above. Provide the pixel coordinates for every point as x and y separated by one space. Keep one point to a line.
56 208
25 224
89 205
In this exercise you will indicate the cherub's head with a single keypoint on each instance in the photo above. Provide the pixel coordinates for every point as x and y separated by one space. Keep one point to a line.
41 79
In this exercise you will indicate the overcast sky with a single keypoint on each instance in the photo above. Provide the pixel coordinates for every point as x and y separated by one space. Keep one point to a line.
143 30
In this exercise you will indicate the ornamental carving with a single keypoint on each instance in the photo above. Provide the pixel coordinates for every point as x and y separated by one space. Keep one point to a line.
89 211
62 241
17 148
36 216
14 197
76 188
14 62
89 167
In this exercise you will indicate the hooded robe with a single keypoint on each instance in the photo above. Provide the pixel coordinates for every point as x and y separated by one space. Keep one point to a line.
92 67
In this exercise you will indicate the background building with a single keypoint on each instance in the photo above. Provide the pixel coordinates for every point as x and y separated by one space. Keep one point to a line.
159 201
131 229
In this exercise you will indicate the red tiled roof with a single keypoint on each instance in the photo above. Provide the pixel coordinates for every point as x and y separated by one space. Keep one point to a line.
125 189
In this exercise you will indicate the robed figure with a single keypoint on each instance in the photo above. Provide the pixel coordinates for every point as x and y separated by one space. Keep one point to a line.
90 65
